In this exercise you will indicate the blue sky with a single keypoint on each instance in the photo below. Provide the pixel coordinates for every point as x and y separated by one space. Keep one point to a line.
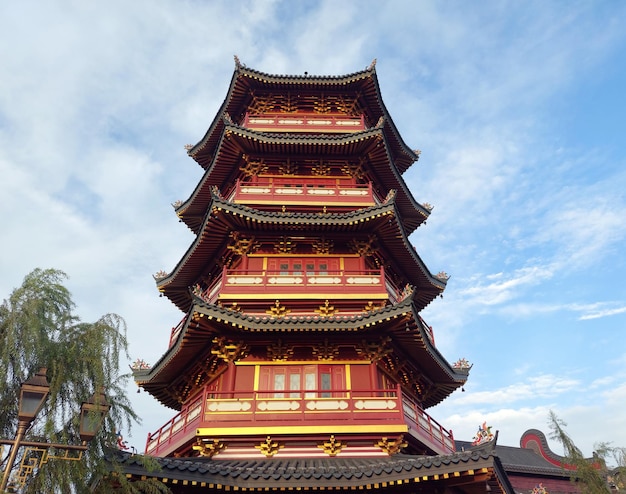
518 108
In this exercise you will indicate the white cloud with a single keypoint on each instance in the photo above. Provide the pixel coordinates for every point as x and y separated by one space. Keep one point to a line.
542 386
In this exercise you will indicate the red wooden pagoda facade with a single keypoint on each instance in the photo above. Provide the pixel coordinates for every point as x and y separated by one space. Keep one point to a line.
302 336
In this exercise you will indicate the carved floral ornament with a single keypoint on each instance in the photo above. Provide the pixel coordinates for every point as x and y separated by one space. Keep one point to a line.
392 446
326 309
332 447
209 448
269 448
278 310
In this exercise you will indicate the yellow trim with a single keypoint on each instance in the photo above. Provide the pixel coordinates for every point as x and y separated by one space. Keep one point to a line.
325 256
303 295
294 202
348 377
304 429
305 362
257 377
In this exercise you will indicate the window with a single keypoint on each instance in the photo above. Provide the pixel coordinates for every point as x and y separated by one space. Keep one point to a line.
302 381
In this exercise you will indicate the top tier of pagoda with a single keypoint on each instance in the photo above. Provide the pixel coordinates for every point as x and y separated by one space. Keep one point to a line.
302 294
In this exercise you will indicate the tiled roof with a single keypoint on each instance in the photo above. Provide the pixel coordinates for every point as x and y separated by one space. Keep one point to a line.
523 460
327 473
226 217
225 163
408 334
246 81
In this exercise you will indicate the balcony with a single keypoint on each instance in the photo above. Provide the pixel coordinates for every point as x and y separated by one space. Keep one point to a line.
303 122
257 413
239 284
310 194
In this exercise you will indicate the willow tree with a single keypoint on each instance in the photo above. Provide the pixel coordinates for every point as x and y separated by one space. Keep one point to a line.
39 328
591 474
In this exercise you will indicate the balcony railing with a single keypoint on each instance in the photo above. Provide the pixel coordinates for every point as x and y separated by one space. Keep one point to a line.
358 195
233 283
303 122
241 410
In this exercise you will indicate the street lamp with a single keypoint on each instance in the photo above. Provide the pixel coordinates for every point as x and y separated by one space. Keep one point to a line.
33 394
92 414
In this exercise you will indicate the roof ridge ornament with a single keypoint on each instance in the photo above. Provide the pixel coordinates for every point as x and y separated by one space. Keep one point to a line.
372 66
238 64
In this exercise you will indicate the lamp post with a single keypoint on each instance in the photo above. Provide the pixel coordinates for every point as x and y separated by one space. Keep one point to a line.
33 394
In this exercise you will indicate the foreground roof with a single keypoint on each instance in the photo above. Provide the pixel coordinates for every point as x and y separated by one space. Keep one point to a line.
471 471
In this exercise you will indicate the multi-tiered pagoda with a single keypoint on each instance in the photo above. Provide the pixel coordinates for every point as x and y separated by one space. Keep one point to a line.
302 344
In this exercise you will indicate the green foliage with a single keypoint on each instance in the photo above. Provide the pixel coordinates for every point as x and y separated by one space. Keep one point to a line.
38 328
590 473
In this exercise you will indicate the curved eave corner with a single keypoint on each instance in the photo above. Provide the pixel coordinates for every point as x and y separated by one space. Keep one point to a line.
458 373
194 150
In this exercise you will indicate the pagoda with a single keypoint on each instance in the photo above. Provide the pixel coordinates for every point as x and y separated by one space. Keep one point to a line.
302 339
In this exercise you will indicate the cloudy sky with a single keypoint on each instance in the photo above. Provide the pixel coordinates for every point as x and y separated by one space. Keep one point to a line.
518 109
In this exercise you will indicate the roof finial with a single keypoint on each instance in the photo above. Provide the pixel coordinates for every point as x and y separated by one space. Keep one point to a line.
372 65
237 62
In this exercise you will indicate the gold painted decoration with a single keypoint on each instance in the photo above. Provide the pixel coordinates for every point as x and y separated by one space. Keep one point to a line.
209 449
241 245
353 170
284 246
268 447
228 351
286 103
251 168
371 306
326 309
322 246
322 105
332 447
392 446
279 352
349 106
374 350
364 247
320 169
262 104
325 350
278 310
288 168
35 456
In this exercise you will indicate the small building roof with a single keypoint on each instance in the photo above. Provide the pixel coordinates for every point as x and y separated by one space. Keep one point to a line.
470 471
